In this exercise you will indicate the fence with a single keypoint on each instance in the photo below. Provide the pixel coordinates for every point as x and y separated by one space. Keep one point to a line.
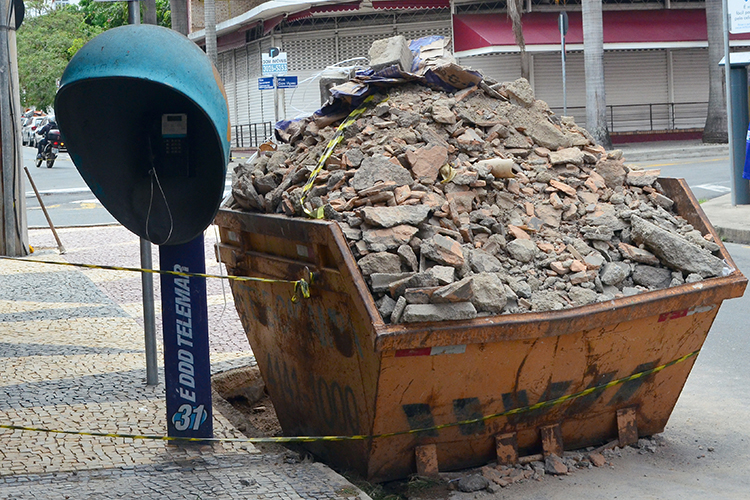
251 135
647 117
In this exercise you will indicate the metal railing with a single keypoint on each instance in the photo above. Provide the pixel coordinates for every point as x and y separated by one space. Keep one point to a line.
647 117
251 135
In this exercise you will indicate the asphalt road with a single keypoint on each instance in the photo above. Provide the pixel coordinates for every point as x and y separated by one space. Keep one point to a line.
707 177
65 195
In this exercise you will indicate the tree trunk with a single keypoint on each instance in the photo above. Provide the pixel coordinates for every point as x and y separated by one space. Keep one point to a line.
593 57
515 10
149 11
179 12
715 130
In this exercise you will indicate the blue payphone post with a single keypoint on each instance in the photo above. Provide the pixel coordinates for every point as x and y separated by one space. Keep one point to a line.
146 122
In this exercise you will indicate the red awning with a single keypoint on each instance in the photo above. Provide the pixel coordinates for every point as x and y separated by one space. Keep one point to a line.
270 24
476 31
321 9
411 4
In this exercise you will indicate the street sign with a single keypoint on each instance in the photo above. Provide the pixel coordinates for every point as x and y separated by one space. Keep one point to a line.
286 82
273 65
265 83
739 16
562 23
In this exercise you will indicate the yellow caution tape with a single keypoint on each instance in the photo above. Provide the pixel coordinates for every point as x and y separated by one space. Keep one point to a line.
307 439
335 141
302 285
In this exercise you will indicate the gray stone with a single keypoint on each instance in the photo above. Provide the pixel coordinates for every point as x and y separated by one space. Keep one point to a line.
548 135
386 306
597 233
389 52
380 262
483 262
567 155
594 260
554 465
381 282
378 168
443 250
443 274
521 92
546 301
398 310
439 312
408 257
613 273
489 293
581 296
522 250
520 288
380 240
612 171
676 251
460 291
395 216
652 277
642 178
443 114
472 482
693 278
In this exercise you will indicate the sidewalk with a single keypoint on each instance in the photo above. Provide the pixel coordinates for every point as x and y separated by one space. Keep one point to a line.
72 358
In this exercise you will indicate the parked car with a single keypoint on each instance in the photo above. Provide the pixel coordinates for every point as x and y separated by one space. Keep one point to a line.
28 133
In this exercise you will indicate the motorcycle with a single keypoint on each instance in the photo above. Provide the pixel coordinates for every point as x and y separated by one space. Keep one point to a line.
51 149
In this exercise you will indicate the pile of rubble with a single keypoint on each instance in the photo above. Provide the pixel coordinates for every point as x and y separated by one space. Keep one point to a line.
492 477
479 202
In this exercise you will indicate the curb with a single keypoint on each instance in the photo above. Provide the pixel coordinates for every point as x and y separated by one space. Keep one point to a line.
733 235
640 155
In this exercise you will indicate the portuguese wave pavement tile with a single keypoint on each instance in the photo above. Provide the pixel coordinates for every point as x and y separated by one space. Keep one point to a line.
72 358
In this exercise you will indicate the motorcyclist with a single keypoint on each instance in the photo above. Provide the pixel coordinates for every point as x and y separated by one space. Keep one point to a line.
51 124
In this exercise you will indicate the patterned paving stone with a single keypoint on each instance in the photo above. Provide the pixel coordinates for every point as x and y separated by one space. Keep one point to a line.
72 358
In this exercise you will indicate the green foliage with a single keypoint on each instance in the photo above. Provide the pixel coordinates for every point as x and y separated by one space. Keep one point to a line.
45 45
107 15
50 37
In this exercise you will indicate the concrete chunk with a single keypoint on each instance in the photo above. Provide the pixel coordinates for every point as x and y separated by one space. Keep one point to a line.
389 52
415 313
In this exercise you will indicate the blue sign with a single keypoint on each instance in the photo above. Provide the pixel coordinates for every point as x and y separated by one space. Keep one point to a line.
265 83
286 82
187 368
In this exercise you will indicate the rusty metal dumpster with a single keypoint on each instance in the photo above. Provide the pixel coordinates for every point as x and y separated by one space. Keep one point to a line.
332 367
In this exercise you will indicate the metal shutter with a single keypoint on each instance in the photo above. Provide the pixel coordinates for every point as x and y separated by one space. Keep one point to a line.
549 88
242 79
690 84
308 55
637 90
227 74
357 42
501 67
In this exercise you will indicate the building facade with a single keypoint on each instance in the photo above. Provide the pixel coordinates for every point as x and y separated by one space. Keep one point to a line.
655 56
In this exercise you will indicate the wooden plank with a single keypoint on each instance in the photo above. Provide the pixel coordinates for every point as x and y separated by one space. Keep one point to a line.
427 461
552 441
506 446
627 428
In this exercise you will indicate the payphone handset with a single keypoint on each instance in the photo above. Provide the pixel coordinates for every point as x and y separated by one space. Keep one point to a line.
172 159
